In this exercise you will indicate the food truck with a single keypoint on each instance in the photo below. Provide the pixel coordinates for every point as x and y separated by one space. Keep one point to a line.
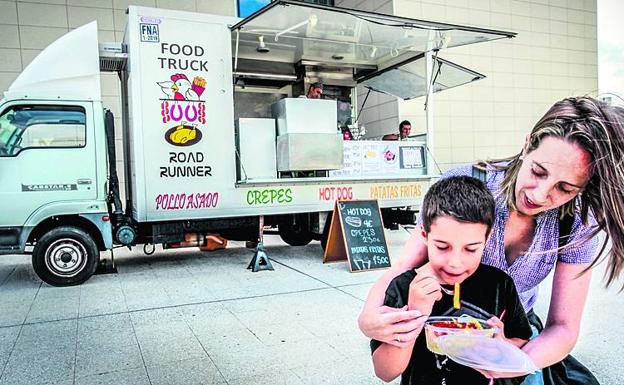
214 135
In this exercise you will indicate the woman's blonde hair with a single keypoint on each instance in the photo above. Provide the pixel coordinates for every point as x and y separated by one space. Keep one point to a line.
599 129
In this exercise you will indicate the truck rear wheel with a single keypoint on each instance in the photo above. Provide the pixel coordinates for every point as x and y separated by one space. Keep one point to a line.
295 230
65 256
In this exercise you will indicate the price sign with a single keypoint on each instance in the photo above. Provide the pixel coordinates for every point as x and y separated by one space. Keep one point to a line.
357 234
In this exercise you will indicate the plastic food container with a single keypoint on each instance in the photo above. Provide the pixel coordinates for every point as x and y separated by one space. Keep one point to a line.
436 327
486 353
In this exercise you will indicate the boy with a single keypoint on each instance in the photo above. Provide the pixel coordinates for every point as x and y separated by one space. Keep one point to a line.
458 213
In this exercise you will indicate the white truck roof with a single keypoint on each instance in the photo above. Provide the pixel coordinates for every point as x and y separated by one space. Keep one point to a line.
68 69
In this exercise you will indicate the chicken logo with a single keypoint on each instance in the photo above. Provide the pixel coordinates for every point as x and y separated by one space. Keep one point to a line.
181 88
183 135
182 99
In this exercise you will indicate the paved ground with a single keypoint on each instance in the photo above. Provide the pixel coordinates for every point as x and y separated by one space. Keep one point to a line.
187 317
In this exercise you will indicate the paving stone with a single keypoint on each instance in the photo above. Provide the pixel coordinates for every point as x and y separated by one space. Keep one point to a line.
188 372
105 324
296 354
164 330
101 300
346 371
107 338
350 344
122 377
202 323
34 367
51 309
231 340
163 351
142 300
22 279
6 271
17 314
252 362
156 316
47 335
98 359
277 377
278 334
188 292
8 336
359 291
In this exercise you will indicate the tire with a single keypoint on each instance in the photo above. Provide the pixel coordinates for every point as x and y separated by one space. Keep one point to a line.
65 256
295 230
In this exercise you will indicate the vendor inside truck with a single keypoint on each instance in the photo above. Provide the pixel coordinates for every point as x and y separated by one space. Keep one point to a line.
405 127
315 91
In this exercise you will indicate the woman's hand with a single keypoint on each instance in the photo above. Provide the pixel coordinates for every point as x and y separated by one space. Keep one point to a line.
397 327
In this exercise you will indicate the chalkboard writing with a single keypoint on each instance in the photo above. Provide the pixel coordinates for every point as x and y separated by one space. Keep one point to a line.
357 234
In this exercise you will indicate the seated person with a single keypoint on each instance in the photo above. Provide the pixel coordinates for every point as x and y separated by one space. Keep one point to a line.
457 214
405 128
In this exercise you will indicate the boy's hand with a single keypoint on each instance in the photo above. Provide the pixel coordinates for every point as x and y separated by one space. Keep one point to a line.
423 292
499 326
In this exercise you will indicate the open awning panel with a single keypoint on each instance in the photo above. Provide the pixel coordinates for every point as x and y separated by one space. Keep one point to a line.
296 31
408 81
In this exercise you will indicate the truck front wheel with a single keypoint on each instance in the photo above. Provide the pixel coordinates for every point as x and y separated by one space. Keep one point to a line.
65 256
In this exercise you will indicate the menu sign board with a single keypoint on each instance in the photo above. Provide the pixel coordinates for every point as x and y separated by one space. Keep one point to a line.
364 158
357 234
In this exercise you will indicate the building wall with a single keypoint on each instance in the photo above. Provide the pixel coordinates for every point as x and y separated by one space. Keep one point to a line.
553 56
27 27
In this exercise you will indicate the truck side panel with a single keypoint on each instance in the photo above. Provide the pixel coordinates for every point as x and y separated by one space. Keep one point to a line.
181 111
182 131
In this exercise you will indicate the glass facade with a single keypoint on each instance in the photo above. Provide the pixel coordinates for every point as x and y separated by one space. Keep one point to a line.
247 7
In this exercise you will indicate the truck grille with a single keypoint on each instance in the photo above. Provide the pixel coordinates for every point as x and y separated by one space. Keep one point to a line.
112 64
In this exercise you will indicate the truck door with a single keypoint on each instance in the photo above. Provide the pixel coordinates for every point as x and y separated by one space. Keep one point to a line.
47 157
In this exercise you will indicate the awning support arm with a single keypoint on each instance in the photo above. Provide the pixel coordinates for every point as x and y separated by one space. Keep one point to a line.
429 110
236 50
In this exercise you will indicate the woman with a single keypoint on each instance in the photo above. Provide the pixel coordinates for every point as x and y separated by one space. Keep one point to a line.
570 165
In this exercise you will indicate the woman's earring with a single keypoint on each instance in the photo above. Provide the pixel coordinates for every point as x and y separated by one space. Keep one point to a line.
521 157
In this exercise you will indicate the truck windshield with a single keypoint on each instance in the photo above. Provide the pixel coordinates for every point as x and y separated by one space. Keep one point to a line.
41 126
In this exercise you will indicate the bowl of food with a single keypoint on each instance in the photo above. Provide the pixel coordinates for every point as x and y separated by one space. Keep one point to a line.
486 353
436 327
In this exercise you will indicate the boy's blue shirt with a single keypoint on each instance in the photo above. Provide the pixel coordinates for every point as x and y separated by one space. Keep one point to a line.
486 293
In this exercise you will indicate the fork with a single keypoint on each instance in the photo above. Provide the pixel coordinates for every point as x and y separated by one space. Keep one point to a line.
444 290
447 291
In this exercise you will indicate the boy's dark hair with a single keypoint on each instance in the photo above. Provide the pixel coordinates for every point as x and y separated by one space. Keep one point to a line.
464 198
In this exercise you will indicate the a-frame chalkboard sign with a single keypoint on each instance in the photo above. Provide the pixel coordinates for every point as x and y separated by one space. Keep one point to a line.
357 234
